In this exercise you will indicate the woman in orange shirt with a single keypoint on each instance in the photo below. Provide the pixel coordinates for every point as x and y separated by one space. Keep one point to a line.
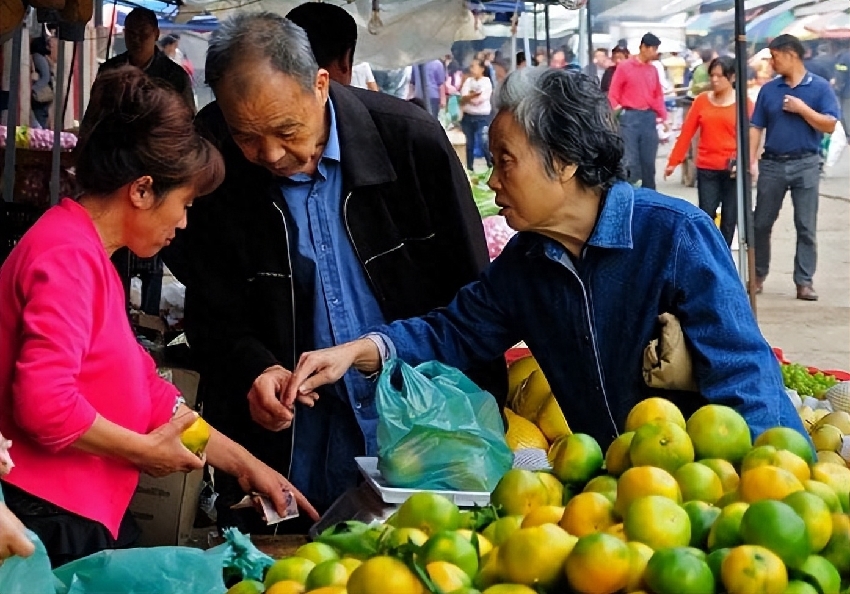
713 114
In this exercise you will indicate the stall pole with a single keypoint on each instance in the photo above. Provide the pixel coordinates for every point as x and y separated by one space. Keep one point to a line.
746 256
590 48
548 39
523 19
58 121
12 114
535 32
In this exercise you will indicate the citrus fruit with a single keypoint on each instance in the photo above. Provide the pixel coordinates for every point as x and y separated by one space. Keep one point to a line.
447 577
640 556
531 396
618 530
726 530
490 572
820 573
749 568
329 590
617 459
535 556
767 482
553 486
698 483
429 513
545 514
605 484
770 456
678 571
501 529
575 458
816 515
351 563
317 552
719 432
522 433
702 517
658 522
518 372
715 561
327 573
826 493
800 587
519 491
286 587
830 457
730 497
484 545
776 526
451 547
249 587
509 589
196 436
785 438
644 480
662 444
837 550
653 410
599 564
837 477
725 471
551 419
401 536
587 513
383 574
404 468
294 569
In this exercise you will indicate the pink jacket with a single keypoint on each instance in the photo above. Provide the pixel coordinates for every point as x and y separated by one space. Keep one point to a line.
67 353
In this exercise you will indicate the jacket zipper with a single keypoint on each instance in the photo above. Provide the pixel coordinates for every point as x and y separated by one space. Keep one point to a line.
595 349
292 294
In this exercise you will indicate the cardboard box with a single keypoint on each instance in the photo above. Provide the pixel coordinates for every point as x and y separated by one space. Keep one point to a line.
165 507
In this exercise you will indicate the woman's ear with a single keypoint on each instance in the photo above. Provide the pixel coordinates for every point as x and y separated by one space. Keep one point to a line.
141 193
567 172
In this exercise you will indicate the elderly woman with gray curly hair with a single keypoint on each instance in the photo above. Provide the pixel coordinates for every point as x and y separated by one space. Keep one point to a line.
594 263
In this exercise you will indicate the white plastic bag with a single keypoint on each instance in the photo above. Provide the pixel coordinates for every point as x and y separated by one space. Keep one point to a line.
837 142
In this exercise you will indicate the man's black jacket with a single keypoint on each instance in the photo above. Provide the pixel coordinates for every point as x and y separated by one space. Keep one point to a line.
409 213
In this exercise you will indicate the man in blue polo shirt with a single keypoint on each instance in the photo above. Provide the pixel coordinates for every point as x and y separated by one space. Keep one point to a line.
793 112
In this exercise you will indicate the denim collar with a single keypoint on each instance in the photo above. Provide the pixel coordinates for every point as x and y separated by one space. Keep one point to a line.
613 230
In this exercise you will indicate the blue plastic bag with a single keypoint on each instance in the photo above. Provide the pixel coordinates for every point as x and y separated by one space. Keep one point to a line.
437 430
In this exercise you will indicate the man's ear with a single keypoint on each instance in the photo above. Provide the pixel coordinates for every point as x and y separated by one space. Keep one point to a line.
567 172
141 193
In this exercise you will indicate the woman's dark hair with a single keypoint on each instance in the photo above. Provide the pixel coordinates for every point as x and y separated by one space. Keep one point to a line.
620 50
167 41
727 66
39 45
134 127
568 120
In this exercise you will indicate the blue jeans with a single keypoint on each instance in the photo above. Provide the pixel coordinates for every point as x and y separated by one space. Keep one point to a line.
473 128
717 188
637 127
802 178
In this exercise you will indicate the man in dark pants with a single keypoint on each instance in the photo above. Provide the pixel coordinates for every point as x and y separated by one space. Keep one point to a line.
793 112
636 91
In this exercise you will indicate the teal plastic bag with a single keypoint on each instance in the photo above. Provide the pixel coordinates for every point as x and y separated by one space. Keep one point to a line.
437 430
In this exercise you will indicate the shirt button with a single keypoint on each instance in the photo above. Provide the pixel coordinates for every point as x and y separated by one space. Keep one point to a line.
324 247
586 339
335 301
358 405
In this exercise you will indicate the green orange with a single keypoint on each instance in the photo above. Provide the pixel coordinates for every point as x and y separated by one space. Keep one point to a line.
575 458
816 515
719 432
678 571
662 444
658 522
702 517
698 483
451 547
785 438
776 526
519 491
726 530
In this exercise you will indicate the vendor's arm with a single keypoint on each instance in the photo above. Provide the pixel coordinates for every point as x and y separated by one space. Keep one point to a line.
228 456
13 535
733 363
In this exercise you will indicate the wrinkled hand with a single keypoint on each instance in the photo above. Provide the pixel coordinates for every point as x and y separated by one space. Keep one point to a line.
262 479
13 536
164 453
668 171
793 104
264 399
6 464
326 366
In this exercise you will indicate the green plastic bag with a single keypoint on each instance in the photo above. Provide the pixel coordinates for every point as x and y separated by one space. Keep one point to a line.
437 430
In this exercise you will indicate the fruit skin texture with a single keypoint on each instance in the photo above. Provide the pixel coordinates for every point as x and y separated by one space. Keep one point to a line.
776 526
658 522
719 432
617 460
587 513
767 482
535 556
447 577
640 556
726 530
519 491
785 438
723 468
837 477
453 548
837 550
702 517
196 436
817 570
599 564
749 568
662 444
554 486
815 514
698 483
246 587
317 552
327 573
291 568
575 458
428 512
286 587
678 571
653 410
641 481
522 433
383 574
501 529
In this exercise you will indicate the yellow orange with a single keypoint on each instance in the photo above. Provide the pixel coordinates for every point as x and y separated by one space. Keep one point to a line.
770 456
519 491
545 514
617 459
815 514
575 458
535 556
640 556
767 482
749 568
551 419
645 480
653 410
663 444
658 522
719 432
587 513
383 574
837 477
698 483
723 468
599 564
553 486
522 433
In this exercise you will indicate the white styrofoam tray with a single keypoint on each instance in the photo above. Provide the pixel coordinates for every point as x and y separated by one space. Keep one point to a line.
530 459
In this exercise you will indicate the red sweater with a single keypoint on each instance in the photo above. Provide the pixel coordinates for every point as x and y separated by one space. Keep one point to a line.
67 352
717 135
636 85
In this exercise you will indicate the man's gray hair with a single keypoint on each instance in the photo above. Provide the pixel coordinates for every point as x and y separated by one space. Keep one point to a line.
567 119
258 35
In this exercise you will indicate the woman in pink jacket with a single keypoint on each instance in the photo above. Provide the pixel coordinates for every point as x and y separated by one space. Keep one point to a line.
79 397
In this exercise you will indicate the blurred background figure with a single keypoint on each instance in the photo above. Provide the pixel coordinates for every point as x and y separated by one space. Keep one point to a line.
362 77
675 65
700 79
618 54
600 65
823 64
42 92
475 103
333 37
520 60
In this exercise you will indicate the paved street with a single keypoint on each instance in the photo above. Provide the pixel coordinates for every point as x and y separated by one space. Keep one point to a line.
815 334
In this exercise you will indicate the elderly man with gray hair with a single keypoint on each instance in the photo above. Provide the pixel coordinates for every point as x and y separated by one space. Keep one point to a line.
342 209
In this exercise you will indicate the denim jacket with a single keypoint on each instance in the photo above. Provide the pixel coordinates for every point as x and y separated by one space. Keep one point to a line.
587 320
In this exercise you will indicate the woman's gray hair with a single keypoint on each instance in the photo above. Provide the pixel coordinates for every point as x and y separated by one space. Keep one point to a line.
257 35
568 120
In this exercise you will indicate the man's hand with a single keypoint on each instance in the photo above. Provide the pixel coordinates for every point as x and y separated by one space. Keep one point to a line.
13 536
264 402
327 366
262 479
164 453
794 104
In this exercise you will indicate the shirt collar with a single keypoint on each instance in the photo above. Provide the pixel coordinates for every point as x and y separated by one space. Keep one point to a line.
330 153
807 79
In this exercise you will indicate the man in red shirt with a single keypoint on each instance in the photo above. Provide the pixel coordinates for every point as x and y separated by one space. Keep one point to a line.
636 90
